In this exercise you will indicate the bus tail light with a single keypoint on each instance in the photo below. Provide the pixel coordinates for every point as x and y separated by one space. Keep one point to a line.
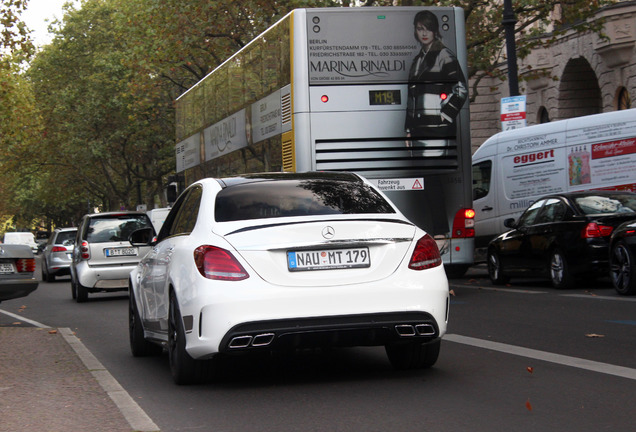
426 254
324 98
464 224
219 264
594 230
85 251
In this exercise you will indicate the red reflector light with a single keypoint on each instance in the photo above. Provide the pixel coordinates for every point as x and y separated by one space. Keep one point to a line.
464 223
324 98
58 249
443 96
426 254
219 264
24 265
594 230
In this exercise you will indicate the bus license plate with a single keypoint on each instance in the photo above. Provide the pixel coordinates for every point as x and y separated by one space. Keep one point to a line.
121 252
328 259
6 268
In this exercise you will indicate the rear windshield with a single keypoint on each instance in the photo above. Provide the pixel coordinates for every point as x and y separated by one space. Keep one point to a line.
308 197
66 238
603 204
115 228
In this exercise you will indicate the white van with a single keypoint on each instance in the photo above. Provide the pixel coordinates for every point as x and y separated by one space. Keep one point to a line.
158 217
23 238
513 169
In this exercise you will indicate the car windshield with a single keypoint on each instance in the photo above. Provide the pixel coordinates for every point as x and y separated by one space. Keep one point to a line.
604 204
115 228
297 197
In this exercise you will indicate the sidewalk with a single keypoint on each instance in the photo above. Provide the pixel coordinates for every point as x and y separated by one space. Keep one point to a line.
50 382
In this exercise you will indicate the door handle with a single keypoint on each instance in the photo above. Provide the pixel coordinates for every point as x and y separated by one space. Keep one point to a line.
487 208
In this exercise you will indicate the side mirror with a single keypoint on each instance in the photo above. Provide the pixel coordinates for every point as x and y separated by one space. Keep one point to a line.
142 237
509 223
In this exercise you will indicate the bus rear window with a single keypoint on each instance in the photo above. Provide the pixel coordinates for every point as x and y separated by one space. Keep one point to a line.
285 198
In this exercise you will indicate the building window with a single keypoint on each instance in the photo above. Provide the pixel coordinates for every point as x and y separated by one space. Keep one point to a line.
544 117
624 101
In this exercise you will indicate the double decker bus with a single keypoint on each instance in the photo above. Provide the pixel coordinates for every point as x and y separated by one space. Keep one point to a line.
380 91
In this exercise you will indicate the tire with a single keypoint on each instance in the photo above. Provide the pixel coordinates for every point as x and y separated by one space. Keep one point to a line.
185 370
622 269
73 288
413 355
139 346
495 269
81 292
559 272
46 276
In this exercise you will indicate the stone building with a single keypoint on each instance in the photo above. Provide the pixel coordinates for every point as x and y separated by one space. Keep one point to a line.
580 74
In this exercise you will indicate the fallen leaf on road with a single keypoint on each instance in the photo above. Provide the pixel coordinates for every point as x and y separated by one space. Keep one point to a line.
594 335
452 293
528 405
52 331
530 369
17 323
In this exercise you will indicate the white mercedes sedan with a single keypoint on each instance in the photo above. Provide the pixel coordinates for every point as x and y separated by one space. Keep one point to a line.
283 261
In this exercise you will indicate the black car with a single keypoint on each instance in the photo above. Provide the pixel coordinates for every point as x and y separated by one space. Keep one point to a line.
623 258
561 236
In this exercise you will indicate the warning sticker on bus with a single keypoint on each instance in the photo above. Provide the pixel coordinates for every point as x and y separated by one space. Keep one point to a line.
399 184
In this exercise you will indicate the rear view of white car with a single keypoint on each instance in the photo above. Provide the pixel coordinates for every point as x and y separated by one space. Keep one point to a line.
285 261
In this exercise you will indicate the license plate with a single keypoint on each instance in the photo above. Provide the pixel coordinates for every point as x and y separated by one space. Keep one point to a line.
328 259
6 268
121 252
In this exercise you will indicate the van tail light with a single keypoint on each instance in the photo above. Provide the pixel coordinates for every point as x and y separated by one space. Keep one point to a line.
464 224
58 249
219 264
25 265
594 230
426 254
85 251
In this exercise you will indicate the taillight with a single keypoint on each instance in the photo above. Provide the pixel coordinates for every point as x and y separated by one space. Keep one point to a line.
464 224
219 264
85 251
594 230
25 265
426 254
58 249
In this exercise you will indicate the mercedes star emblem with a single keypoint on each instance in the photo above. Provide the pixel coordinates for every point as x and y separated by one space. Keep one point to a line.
328 232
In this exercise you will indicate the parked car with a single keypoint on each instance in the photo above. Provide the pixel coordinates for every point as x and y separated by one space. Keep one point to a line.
561 236
103 256
57 254
623 258
21 238
17 267
285 261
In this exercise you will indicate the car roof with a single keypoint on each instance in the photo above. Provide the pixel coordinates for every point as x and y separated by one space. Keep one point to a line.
115 213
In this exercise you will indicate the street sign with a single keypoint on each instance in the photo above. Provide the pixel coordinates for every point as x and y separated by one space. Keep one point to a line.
513 112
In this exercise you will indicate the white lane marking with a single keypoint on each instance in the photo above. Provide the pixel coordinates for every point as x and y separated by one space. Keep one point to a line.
598 297
488 288
26 320
576 362
136 417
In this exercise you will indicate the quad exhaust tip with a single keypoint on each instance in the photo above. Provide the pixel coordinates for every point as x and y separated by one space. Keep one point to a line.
410 330
248 341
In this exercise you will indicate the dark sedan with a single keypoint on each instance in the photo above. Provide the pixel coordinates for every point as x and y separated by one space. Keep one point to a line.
17 266
561 236
623 258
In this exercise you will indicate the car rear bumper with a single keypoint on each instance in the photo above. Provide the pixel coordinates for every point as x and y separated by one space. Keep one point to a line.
15 288
111 277
228 317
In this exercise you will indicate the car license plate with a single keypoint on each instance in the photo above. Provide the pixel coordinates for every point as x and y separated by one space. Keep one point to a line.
328 259
6 268
121 252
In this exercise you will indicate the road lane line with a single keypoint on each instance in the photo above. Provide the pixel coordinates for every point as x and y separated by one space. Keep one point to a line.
576 362
136 417
26 320
488 288
598 297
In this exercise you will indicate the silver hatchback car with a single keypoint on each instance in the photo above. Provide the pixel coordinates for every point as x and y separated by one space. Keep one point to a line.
103 256
57 254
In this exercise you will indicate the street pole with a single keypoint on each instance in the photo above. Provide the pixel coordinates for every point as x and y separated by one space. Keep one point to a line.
509 21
